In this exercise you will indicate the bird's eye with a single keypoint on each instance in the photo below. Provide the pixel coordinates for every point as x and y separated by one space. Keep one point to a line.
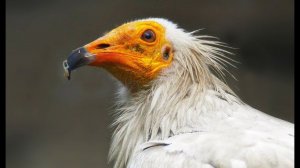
148 36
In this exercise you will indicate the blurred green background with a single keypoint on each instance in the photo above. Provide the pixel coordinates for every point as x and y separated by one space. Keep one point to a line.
52 122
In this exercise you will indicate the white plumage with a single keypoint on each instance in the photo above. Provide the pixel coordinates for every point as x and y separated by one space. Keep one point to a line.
246 140
189 118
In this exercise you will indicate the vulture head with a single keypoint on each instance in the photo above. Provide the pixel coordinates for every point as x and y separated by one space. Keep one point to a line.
144 52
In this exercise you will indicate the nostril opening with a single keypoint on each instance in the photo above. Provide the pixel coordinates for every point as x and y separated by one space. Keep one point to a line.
102 46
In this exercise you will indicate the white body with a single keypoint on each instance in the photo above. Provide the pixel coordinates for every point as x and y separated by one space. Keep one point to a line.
236 136
190 119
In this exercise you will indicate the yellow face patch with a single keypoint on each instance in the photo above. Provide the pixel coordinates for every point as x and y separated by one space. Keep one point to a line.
134 52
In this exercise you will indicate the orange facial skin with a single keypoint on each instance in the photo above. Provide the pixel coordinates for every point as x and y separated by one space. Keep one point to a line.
131 59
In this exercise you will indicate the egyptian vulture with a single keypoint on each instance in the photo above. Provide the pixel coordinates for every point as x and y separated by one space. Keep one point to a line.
174 111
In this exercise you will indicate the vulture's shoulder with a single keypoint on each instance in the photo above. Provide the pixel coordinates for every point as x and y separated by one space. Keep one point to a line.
232 147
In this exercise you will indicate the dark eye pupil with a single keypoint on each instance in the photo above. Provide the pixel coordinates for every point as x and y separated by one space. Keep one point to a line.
148 36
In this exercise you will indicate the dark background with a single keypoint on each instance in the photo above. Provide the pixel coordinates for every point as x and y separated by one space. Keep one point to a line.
52 122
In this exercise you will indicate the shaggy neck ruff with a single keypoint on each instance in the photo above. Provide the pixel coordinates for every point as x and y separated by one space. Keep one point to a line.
184 98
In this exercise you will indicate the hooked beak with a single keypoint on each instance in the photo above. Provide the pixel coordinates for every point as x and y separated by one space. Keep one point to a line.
76 59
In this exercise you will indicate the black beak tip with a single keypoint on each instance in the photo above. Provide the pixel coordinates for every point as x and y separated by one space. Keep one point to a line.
67 70
76 59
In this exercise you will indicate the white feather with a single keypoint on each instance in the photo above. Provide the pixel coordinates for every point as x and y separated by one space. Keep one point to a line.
190 118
